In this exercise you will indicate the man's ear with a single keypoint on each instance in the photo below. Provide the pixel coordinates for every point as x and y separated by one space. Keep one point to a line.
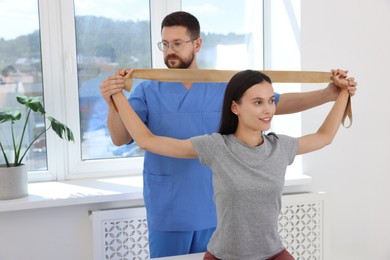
198 43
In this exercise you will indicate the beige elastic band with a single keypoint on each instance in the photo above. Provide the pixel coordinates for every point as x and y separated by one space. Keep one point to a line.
197 75
191 75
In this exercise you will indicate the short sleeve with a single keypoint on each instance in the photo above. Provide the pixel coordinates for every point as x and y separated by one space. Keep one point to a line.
205 146
137 99
290 147
277 96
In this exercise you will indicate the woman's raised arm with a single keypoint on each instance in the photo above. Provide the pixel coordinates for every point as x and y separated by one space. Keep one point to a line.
146 139
326 133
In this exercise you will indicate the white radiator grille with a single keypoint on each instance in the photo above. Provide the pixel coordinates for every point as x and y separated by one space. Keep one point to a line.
300 227
122 234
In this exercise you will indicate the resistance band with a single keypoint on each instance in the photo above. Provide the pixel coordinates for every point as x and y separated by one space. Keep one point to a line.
199 75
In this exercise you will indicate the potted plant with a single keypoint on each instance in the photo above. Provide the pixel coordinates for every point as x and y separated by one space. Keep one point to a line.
13 173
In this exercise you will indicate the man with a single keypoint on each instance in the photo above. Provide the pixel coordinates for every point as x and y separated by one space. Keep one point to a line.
178 193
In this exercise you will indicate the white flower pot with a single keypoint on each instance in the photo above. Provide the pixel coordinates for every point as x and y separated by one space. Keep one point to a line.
13 182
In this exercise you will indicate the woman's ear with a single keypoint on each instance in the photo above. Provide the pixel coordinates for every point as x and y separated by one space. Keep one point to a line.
234 107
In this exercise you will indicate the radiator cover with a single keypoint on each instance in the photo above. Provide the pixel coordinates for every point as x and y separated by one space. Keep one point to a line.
122 234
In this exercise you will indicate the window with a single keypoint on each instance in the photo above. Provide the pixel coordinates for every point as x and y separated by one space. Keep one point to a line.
107 38
282 52
69 46
232 33
235 36
21 74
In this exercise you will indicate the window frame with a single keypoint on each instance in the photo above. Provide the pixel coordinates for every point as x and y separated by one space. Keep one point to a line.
60 83
59 67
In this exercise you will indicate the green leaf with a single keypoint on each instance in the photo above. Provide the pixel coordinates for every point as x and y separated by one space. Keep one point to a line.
34 103
59 128
12 116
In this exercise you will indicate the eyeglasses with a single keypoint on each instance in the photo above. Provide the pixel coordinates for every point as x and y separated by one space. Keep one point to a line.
175 45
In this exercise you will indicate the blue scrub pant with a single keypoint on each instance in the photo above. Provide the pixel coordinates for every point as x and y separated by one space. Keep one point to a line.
170 243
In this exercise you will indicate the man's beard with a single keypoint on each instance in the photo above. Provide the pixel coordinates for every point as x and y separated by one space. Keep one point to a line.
180 63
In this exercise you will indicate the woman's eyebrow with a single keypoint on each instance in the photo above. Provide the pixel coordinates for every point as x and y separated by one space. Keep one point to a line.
262 98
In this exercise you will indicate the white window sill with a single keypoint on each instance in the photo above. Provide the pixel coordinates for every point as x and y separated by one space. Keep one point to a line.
77 192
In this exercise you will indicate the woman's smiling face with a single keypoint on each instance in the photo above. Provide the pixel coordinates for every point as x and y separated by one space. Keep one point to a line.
256 107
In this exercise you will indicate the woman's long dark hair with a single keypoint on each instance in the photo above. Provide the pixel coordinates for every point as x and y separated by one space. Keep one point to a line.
235 89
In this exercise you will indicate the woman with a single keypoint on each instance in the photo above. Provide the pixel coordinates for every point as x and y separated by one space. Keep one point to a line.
248 166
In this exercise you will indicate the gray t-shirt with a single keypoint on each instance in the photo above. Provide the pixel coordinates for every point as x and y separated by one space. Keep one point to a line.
248 185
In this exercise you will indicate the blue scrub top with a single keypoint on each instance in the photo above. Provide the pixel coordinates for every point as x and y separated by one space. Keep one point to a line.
178 193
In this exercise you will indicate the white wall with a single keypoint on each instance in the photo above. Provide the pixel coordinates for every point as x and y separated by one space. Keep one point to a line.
57 233
53 233
354 170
